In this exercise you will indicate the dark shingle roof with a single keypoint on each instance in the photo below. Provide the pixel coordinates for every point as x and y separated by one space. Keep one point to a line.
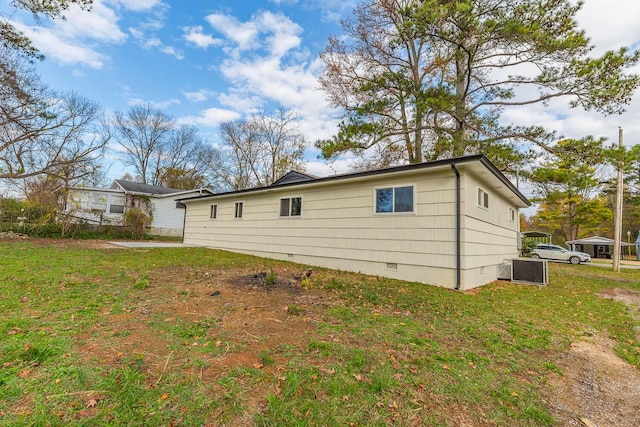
480 158
136 187
294 176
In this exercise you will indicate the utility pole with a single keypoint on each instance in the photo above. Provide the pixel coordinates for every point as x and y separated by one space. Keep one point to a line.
617 230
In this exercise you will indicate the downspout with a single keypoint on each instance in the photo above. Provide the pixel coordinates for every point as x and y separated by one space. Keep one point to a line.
184 221
458 238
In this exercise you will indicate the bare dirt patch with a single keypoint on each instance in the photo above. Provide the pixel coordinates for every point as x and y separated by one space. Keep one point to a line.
627 296
597 388
207 321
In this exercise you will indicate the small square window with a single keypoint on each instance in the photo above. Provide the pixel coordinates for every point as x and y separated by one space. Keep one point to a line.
384 200
296 206
213 213
403 199
116 209
291 206
284 207
394 199
483 198
238 210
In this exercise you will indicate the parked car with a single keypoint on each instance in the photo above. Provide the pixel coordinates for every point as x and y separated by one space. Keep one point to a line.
558 253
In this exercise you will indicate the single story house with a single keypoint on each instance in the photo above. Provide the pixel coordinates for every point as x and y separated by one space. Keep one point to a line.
449 222
109 205
596 246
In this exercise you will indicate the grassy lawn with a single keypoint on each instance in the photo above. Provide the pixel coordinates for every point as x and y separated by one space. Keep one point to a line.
92 336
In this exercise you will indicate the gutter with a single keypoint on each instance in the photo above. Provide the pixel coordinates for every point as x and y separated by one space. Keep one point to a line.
458 232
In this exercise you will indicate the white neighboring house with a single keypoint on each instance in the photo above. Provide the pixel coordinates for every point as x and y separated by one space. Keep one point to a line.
449 223
109 205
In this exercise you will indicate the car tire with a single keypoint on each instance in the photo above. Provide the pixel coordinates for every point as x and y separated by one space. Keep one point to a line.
535 256
574 260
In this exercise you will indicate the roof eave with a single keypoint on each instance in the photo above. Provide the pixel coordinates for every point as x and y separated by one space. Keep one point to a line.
358 176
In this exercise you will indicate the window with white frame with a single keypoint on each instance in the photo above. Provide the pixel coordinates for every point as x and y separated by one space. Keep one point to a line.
213 212
483 199
394 199
116 204
291 206
98 202
512 215
238 210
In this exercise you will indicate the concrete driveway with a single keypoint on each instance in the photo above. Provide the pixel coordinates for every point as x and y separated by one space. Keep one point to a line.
625 263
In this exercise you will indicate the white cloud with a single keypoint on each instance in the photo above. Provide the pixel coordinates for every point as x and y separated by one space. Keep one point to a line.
320 169
610 24
59 49
291 86
243 34
238 100
266 65
198 96
100 24
144 41
280 34
155 104
77 39
211 117
284 33
169 50
137 5
147 42
73 40
196 36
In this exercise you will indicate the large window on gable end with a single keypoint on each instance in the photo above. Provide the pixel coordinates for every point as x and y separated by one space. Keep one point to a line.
291 206
395 199
238 210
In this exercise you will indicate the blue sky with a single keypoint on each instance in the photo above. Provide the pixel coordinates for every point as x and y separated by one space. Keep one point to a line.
205 62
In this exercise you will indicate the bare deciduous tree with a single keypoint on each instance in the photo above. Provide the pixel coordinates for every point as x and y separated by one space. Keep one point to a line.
42 131
154 144
259 150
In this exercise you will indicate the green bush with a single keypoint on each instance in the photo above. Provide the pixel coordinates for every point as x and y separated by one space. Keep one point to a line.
528 245
136 221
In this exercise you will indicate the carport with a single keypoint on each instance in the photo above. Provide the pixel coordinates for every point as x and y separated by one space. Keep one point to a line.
596 246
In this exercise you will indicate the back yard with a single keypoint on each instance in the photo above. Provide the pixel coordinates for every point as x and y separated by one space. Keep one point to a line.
91 334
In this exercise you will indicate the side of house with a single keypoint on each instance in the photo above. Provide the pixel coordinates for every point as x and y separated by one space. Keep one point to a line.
491 225
101 206
168 213
108 206
406 223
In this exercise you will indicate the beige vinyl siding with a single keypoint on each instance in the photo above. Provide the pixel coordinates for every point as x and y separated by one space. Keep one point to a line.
338 227
489 237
